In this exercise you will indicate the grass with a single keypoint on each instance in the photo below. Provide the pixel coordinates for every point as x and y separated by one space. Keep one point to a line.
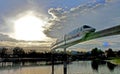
115 60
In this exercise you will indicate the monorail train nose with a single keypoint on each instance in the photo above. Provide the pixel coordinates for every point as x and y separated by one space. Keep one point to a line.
93 30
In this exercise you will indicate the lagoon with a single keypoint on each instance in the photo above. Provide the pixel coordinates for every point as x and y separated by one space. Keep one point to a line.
76 67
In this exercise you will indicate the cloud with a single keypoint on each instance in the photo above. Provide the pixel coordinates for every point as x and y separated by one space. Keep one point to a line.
91 13
56 13
10 9
4 37
99 14
6 41
61 18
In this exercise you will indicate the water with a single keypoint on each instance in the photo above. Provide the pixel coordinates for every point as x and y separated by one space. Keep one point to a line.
77 67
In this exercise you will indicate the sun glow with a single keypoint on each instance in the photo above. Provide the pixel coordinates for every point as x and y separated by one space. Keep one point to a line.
29 28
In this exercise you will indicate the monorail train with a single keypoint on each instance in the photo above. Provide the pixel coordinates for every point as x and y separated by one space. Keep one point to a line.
76 34
79 32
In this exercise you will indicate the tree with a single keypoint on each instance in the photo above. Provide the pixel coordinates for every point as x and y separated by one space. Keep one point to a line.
4 52
118 53
110 53
100 52
32 53
94 52
18 52
97 52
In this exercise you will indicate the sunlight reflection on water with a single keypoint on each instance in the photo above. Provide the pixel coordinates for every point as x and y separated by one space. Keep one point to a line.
77 67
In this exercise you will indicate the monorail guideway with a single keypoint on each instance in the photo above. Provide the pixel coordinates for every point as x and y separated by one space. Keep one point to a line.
79 35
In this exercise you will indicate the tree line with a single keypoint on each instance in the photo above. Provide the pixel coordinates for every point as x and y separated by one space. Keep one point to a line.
95 53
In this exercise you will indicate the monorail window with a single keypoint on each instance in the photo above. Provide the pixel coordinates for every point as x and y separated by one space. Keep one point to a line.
85 26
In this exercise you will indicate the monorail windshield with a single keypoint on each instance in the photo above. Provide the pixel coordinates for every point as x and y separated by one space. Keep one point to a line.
85 26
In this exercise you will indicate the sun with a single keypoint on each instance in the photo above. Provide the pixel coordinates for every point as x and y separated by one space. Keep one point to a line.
30 28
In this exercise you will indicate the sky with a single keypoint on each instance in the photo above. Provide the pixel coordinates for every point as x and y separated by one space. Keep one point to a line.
61 17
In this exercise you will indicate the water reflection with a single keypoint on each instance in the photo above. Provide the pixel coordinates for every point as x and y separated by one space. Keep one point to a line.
111 66
5 65
76 67
95 65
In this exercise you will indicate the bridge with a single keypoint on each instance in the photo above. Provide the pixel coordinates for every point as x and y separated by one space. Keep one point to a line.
88 36
103 33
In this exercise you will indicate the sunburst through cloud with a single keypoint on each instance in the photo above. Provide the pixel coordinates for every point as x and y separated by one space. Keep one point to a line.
29 27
